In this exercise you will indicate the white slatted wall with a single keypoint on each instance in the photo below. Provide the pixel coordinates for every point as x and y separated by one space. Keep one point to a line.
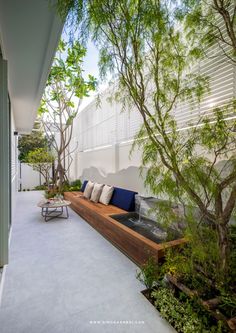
108 125
222 81
105 125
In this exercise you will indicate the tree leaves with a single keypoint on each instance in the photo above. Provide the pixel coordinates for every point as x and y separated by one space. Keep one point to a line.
40 159
39 155
30 142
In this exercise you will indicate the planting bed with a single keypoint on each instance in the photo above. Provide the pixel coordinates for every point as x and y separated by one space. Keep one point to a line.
209 309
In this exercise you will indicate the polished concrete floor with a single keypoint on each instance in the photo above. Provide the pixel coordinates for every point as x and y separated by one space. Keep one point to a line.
64 277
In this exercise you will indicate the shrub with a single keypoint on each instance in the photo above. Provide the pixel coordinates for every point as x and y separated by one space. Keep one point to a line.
72 186
76 183
50 193
195 264
148 274
182 315
40 188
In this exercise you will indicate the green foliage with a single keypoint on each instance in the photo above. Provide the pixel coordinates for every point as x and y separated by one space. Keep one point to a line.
196 266
39 156
40 160
66 81
50 193
31 142
76 182
66 187
232 276
207 21
68 74
73 186
228 304
148 274
182 315
40 188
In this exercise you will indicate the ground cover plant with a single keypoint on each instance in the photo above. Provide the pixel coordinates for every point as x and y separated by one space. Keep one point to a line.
184 315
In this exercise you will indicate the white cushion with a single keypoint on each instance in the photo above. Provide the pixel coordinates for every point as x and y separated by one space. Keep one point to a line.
88 189
106 195
97 190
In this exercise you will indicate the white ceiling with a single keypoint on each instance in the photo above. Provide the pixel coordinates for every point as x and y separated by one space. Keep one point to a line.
29 34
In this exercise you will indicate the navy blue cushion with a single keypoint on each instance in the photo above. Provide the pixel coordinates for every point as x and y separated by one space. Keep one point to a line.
123 199
84 185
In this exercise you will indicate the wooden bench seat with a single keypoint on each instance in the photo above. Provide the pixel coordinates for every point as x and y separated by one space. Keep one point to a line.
135 246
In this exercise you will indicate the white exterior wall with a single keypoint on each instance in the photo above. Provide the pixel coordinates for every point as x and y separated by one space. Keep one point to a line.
104 132
29 178
104 136
111 166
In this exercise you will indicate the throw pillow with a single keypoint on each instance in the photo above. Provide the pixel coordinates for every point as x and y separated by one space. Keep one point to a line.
106 195
84 185
97 190
88 189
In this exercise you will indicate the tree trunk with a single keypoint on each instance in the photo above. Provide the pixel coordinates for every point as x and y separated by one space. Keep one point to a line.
47 178
223 241
53 173
60 172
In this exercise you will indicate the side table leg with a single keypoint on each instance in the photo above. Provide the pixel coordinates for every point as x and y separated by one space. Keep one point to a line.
46 215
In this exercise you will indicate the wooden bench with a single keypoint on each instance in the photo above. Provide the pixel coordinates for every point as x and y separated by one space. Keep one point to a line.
135 246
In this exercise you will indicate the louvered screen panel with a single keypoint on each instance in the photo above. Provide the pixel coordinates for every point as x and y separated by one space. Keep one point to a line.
221 76
121 123
134 123
221 73
97 124
108 124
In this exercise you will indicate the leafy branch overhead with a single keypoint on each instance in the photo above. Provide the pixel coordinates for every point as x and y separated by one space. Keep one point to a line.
211 22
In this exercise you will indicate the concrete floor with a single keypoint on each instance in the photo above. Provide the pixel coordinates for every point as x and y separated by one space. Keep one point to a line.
64 277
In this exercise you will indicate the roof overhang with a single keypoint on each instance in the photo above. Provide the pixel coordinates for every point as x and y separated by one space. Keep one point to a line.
29 34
